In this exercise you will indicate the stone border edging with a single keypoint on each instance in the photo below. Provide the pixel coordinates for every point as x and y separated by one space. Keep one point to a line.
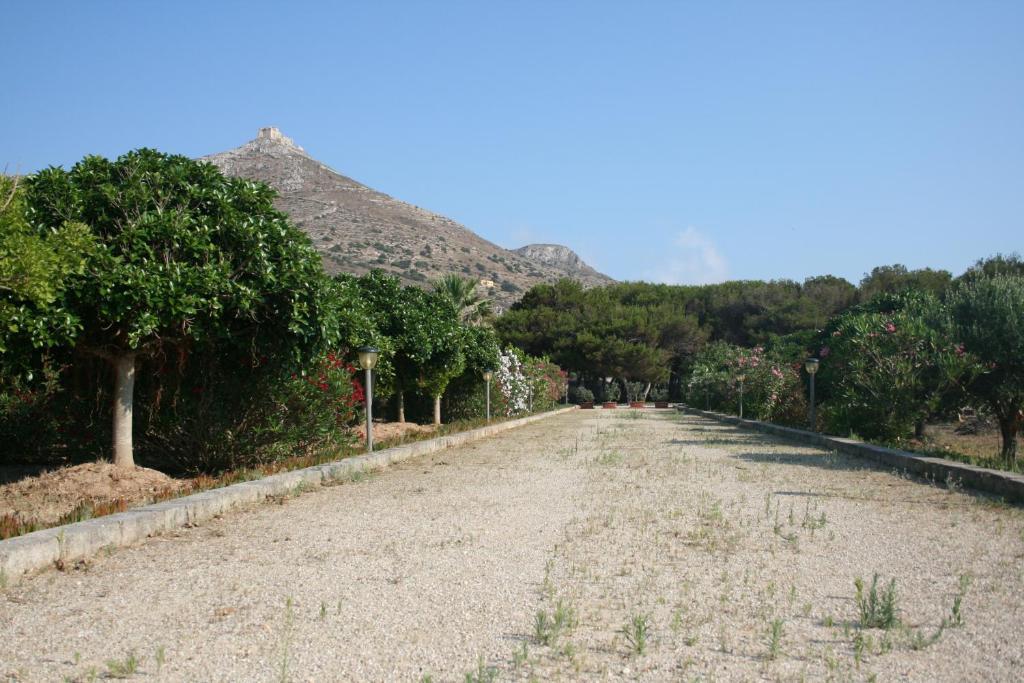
1009 485
80 540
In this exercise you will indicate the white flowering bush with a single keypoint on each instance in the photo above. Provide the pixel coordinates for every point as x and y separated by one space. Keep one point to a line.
513 384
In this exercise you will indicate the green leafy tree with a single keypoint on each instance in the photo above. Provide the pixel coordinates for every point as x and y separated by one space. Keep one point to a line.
988 313
184 256
425 332
896 279
1000 264
446 360
35 265
888 365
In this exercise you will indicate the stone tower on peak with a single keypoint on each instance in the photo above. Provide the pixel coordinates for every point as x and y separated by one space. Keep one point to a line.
271 133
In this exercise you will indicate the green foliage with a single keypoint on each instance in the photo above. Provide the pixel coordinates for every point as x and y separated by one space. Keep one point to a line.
876 608
183 253
461 293
896 279
988 315
773 388
582 395
35 265
176 262
1000 264
888 365
637 631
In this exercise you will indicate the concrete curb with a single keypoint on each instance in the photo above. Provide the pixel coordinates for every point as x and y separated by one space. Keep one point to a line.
40 549
1009 485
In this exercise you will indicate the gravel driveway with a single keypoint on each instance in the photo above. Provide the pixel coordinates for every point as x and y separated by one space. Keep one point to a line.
555 551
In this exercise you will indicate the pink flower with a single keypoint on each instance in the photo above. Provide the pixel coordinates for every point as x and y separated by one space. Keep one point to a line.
890 328
824 351
960 350
777 373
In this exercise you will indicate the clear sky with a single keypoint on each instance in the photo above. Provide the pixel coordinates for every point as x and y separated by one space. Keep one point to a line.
669 141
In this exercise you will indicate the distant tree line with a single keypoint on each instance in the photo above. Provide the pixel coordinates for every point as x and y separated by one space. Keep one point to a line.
899 348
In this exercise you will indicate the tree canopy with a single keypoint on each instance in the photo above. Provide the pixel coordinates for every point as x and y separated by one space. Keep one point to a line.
183 255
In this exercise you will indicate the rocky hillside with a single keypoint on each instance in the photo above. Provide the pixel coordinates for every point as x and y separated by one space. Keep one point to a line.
357 228
564 259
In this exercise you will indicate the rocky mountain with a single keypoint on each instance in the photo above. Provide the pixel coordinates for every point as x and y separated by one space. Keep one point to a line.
356 228
564 259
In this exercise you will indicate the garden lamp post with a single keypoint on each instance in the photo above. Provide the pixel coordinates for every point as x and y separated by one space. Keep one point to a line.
607 384
811 366
741 377
368 361
487 390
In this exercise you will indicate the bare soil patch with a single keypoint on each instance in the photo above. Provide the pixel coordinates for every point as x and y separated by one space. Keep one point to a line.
395 431
47 498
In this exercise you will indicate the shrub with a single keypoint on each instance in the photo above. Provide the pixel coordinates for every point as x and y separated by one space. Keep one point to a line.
888 365
635 391
581 394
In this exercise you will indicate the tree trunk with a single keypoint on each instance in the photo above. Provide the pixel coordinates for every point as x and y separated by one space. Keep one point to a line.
437 410
124 391
1008 427
647 390
919 429
400 398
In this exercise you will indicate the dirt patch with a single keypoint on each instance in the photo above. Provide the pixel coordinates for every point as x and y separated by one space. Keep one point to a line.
395 431
50 497
983 443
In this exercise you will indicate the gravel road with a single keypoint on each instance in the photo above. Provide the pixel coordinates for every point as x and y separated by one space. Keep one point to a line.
695 538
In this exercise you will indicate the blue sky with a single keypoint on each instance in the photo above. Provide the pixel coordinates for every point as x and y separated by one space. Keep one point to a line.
669 141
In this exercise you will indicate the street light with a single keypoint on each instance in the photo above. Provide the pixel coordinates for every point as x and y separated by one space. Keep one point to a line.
811 366
741 377
368 361
487 384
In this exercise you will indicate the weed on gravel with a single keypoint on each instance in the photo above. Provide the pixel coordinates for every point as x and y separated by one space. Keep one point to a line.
287 630
123 668
636 632
547 627
482 674
775 632
877 608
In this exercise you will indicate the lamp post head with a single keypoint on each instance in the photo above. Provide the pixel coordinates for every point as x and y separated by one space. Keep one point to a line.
488 374
608 380
811 365
740 377
368 357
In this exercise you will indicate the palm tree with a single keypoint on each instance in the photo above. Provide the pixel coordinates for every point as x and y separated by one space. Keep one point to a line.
461 291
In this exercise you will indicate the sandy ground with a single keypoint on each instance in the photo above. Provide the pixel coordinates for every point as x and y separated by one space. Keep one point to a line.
703 535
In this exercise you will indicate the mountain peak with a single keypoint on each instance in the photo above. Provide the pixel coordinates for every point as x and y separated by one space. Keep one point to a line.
559 257
357 228
272 134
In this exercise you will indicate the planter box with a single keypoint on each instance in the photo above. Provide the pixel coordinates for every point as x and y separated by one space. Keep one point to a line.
587 405
609 405
661 404
637 404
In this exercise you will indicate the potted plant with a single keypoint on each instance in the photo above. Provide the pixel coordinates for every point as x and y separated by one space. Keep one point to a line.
635 394
584 397
611 395
660 397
